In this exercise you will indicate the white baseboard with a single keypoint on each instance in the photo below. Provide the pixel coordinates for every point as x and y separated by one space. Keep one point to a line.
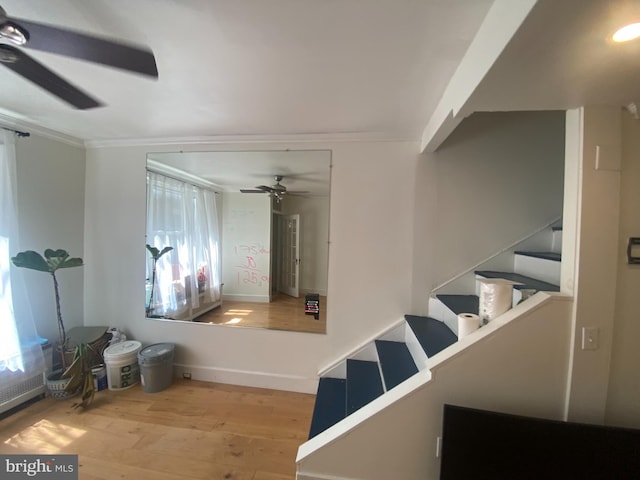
232 297
319 476
291 383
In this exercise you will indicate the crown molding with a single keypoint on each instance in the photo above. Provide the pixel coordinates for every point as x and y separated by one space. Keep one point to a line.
249 139
9 122
32 128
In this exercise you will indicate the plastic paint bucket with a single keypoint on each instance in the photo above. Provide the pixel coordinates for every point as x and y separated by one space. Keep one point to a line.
121 360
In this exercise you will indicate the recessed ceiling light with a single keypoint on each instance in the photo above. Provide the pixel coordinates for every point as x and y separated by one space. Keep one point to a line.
626 33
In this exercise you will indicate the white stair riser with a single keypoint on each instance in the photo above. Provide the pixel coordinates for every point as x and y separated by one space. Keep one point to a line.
415 349
395 335
367 354
339 371
538 268
440 311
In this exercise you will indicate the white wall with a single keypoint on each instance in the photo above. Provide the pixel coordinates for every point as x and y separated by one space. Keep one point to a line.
50 177
623 402
370 257
246 246
494 181
594 254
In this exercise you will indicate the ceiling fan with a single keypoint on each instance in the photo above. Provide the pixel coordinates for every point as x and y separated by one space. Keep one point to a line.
70 43
277 191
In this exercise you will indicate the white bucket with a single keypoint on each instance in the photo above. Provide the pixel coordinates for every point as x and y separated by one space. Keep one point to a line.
121 360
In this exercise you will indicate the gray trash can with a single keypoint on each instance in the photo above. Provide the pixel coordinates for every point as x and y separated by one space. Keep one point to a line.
156 366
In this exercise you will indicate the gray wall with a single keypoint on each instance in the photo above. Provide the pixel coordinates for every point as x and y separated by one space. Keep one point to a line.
495 180
51 177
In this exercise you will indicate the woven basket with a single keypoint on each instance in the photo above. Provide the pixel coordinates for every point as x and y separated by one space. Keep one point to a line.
56 386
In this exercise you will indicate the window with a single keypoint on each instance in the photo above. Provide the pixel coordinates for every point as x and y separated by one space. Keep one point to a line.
20 352
182 216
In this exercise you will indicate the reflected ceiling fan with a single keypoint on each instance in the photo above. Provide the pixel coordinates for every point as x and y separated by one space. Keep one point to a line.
277 191
24 33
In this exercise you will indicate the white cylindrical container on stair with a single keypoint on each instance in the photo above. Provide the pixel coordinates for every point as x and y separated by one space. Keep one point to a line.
496 297
467 323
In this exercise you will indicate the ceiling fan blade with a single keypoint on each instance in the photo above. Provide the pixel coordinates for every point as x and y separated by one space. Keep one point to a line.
87 47
27 67
248 190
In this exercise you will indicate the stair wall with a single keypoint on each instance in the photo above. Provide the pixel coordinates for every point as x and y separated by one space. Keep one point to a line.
498 367
545 238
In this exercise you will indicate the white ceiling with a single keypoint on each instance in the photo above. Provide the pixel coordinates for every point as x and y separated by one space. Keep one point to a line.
386 68
252 67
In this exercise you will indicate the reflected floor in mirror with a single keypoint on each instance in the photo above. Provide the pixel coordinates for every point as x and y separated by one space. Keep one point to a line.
283 313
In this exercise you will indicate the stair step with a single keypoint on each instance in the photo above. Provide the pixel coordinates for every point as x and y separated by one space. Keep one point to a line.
557 229
527 282
553 256
433 335
330 405
363 384
396 362
460 303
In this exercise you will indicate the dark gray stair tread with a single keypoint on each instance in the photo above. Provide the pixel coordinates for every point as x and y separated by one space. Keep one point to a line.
527 282
330 406
433 335
553 256
460 303
396 362
363 384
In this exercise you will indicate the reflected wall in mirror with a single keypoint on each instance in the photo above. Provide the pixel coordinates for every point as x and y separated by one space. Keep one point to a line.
249 238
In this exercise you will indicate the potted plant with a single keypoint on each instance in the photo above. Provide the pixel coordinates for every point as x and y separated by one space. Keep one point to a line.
67 381
155 256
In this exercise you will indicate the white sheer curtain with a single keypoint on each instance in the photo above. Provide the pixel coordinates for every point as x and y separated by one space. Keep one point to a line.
20 352
182 216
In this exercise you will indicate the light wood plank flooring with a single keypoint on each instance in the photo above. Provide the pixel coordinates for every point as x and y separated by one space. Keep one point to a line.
192 430
283 313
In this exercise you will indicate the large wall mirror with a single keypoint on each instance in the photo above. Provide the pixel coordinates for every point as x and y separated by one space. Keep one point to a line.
239 238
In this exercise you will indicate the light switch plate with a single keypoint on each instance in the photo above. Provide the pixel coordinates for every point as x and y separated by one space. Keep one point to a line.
589 338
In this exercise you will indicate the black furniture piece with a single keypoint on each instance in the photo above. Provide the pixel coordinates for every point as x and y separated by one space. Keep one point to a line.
312 305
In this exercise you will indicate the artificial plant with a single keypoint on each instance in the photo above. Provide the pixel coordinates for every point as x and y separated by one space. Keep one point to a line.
79 371
155 256
80 376
52 261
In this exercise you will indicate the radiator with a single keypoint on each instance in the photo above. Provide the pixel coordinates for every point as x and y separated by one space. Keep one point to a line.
14 395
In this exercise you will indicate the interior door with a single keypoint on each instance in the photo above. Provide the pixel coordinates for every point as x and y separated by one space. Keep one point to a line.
290 255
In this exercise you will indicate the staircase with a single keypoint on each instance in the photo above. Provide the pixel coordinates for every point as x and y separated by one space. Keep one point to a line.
405 350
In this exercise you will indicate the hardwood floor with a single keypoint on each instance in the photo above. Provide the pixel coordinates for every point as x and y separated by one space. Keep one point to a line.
192 430
283 313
